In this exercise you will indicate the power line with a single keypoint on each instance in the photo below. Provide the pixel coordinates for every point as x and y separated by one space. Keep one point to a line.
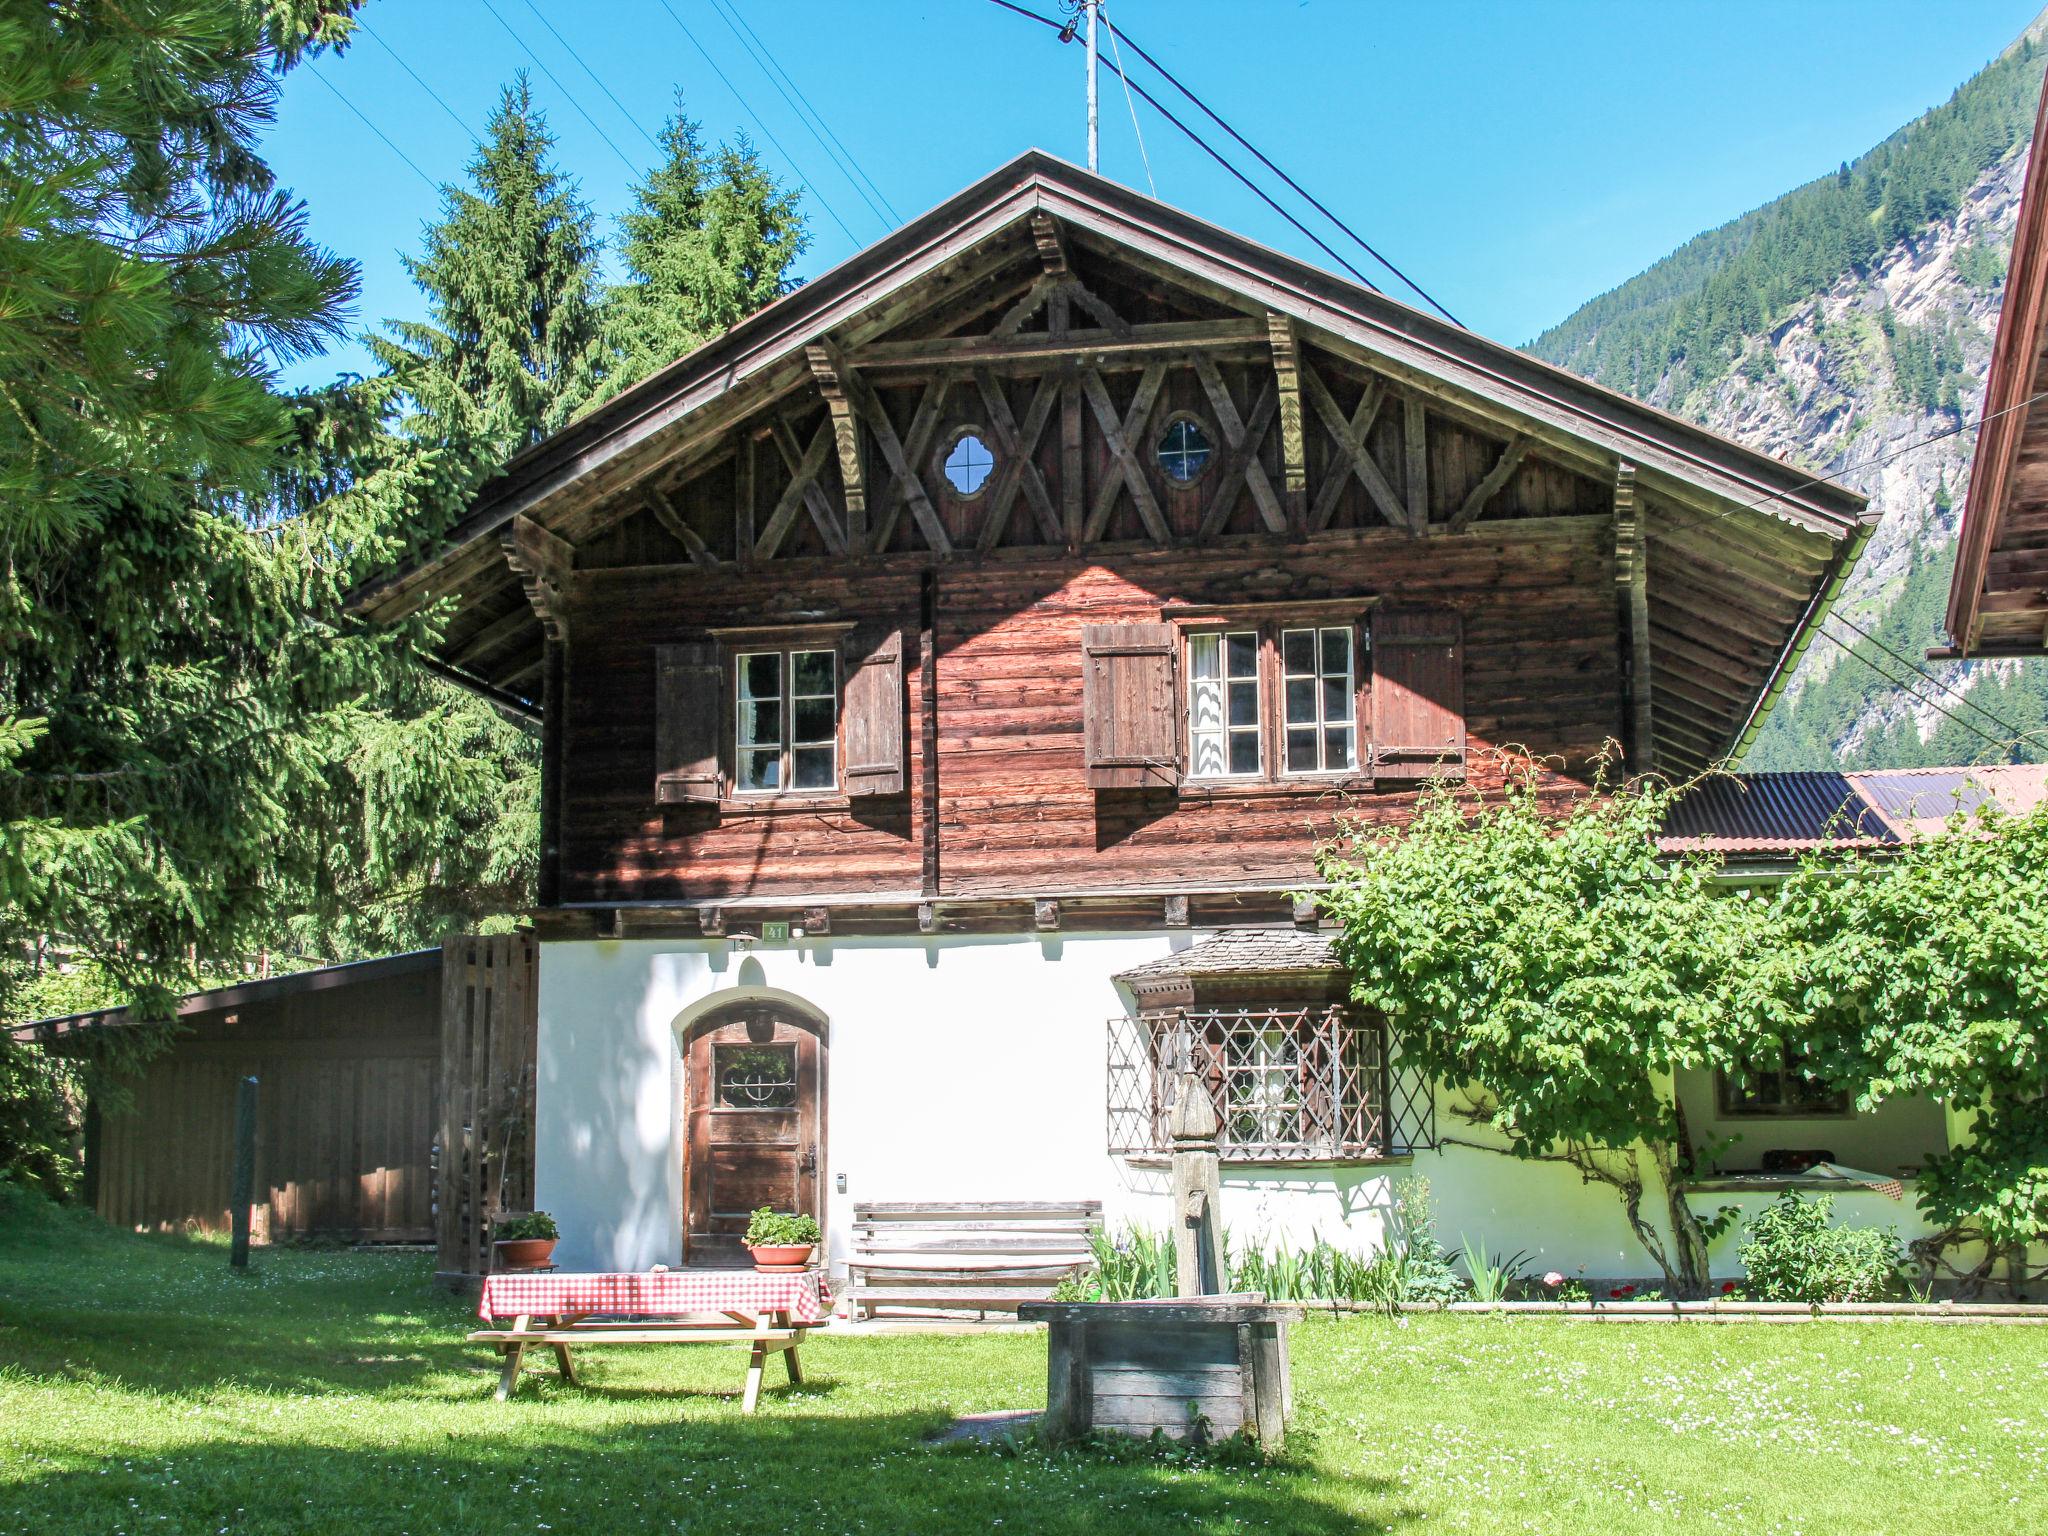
1146 159
595 77
408 159
1301 191
1905 660
420 81
770 67
1206 148
1917 697
631 168
747 107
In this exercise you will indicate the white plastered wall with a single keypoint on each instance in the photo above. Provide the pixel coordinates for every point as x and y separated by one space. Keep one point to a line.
967 1068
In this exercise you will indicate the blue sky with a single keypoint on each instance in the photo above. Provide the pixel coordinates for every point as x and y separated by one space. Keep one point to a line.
1514 159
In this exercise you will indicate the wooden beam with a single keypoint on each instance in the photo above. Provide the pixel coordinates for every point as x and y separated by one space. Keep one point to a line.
1118 435
791 501
924 428
493 635
1285 343
815 501
1415 461
665 513
1035 298
543 562
1632 577
1073 520
1242 448
900 463
846 436
743 500
1045 915
1504 467
1019 472
1051 241
1100 346
1351 440
1176 912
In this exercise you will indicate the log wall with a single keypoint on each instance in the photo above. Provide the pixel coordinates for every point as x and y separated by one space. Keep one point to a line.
1014 810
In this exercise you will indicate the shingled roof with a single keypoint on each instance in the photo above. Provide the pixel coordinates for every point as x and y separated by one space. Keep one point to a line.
1785 814
1241 952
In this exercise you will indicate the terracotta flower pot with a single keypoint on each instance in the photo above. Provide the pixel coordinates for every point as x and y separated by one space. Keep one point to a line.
782 1258
523 1252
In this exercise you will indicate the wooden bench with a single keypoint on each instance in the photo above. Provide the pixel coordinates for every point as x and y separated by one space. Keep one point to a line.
960 1255
766 1338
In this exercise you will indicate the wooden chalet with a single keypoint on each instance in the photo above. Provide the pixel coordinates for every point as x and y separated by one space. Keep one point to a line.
998 612
1998 597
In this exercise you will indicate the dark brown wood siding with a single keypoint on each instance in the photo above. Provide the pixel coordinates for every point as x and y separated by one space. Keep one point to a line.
1016 813
345 1117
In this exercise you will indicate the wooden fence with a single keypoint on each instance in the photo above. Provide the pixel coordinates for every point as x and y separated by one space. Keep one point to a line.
484 1147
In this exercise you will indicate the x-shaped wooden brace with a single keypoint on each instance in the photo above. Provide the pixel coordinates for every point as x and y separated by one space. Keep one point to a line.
1014 448
802 490
924 428
1351 435
869 407
1241 439
1118 434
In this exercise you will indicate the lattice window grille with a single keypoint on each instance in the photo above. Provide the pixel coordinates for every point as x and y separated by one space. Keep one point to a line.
1289 1083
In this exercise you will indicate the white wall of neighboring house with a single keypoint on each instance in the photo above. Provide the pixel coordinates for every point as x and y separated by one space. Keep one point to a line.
973 1068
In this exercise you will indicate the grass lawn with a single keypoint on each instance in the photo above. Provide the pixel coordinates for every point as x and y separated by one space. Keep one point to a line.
144 1388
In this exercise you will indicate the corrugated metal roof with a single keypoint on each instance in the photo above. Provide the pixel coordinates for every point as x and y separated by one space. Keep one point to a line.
1789 813
1241 952
1773 813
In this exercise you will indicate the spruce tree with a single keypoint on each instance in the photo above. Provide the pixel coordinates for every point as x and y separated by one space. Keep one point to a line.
512 334
710 239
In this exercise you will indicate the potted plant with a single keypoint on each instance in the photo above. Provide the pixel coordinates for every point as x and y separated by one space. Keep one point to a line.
523 1242
781 1241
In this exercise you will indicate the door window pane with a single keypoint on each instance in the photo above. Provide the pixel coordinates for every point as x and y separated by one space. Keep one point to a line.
1223 705
786 720
1321 690
754 1076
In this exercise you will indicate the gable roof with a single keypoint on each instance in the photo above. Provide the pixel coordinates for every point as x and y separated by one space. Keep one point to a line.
1798 534
1998 597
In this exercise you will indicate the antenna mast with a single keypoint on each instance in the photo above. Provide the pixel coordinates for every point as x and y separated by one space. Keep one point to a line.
1094 126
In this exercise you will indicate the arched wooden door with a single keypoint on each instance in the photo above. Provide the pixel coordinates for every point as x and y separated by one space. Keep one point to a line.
754 1101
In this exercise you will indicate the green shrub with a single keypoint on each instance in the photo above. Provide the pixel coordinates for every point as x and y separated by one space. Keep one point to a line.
1792 1253
770 1228
537 1224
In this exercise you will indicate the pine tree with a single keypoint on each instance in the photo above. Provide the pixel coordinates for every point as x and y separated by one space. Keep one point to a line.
156 666
710 239
510 275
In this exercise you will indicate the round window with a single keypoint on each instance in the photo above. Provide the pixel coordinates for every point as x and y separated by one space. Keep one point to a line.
1184 449
968 464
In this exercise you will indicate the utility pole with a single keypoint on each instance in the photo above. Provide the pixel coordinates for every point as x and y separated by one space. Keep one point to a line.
1094 126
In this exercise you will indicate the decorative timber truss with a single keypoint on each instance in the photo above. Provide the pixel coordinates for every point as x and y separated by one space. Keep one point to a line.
1067 324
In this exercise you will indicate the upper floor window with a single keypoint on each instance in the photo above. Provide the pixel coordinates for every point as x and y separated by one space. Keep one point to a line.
968 464
1183 450
1229 734
787 728
1223 704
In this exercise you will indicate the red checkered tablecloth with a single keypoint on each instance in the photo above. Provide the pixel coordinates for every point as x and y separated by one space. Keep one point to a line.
666 1293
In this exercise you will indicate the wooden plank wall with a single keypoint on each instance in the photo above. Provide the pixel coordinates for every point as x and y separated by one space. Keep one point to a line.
1015 811
488 1029
345 1116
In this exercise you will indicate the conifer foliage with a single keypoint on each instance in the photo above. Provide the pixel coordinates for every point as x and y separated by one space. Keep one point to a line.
710 239
512 334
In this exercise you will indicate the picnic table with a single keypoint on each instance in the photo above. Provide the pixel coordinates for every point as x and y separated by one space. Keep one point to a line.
770 1313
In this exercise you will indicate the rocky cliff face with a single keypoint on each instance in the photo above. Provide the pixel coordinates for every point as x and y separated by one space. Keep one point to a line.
1841 386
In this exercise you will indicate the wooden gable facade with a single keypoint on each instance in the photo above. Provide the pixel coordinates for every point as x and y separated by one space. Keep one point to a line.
955 546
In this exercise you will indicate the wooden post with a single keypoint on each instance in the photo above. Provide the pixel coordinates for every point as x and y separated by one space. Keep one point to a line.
244 1191
1196 1182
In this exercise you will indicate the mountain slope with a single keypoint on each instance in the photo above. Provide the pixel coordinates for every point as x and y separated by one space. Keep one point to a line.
1847 326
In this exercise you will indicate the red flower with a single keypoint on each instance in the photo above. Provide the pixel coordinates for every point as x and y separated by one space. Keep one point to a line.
1619 1293
1727 1286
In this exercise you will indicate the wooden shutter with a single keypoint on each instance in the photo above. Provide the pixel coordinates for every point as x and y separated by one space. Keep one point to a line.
689 718
1418 693
1129 691
874 731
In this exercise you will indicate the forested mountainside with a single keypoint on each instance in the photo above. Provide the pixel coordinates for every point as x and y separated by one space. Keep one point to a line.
1842 326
